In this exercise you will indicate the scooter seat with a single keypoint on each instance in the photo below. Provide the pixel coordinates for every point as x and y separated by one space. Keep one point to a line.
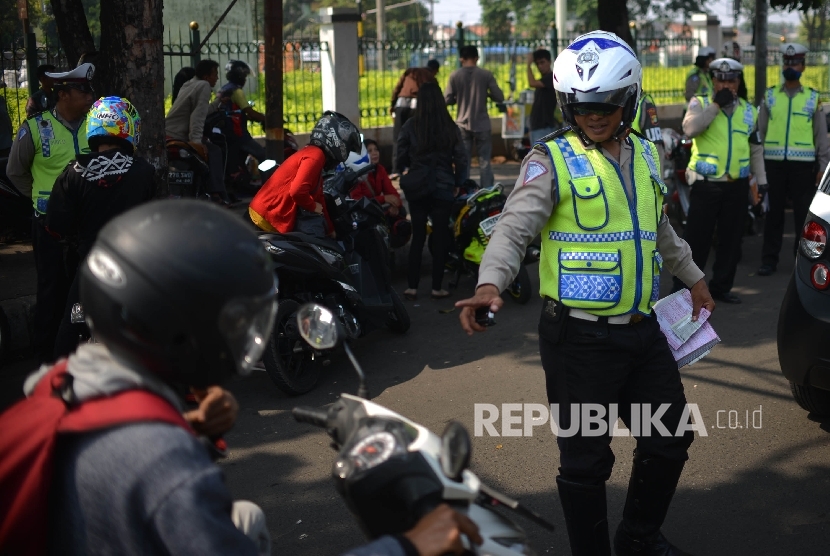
299 236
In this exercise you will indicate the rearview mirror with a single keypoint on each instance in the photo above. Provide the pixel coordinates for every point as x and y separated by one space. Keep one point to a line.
318 326
456 448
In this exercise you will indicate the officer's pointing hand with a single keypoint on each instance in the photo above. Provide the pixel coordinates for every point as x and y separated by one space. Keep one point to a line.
701 298
487 295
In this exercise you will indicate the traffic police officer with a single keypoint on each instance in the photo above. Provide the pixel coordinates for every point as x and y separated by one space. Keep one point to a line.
698 82
45 144
647 123
726 148
796 151
594 192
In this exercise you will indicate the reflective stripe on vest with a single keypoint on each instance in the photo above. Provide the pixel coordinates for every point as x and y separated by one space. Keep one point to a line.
723 148
790 128
55 146
599 249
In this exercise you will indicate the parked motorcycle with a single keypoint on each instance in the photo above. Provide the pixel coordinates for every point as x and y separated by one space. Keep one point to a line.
679 149
188 173
472 220
349 276
392 471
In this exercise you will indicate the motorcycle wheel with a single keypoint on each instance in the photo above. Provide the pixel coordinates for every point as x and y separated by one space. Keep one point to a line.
286 359
398 319
520 289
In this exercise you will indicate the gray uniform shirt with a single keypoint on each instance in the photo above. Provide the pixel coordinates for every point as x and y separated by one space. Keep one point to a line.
22 155
470 87
698 120
529 207
819 128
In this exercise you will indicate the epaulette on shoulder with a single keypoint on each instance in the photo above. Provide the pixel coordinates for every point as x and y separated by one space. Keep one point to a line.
540 144
638 134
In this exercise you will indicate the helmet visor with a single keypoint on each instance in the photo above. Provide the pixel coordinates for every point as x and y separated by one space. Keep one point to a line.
588 108
245 323
726 75
617 97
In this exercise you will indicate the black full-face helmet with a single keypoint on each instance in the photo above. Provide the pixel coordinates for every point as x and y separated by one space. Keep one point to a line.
337 136
237 71
181 289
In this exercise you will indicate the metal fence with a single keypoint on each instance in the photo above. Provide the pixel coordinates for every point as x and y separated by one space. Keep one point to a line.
16 74
665 66
302 82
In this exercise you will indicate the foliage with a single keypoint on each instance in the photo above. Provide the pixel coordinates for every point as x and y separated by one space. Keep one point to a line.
404 23
815 27
497 17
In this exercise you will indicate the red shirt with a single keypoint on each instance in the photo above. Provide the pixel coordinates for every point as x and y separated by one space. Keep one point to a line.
377 185
296 183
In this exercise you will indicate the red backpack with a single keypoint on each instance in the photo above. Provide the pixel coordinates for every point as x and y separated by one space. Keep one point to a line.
30 430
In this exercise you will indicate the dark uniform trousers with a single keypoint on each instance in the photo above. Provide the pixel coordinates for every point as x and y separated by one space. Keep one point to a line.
723 205
796 180
599 363
53 283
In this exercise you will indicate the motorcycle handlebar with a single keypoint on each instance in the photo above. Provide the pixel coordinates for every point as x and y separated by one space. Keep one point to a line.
311 415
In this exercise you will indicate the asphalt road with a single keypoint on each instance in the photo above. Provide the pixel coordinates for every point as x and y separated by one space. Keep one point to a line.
759 491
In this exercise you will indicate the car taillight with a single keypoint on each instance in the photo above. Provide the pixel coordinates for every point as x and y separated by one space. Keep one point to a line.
813 240
819 276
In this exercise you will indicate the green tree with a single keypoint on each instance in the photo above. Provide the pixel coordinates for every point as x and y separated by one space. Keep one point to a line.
497 18
535 19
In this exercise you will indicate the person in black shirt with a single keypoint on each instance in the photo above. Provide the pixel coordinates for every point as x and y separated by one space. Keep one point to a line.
542 120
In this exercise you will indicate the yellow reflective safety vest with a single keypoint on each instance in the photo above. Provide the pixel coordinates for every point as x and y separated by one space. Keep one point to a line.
790 128
724 147
599 248
704 86
55 146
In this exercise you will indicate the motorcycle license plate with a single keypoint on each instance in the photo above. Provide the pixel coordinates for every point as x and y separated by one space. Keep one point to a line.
488 224
180 178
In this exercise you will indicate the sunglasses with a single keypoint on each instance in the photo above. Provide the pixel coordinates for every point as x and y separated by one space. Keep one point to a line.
597 108
726 76
792 62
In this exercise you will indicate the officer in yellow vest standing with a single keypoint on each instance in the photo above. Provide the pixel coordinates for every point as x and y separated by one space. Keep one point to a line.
796 151
698 82
726 148
594 192
45 144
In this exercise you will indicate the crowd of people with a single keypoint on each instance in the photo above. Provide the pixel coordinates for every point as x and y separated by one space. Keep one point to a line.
593 188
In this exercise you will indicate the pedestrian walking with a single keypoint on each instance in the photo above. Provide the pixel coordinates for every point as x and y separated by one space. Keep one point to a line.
542 114
594 192
796 151
404 101
431 148
469 87
45 144
726 148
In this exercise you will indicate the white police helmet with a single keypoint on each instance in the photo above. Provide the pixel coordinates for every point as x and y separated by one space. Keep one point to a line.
598 68
725 69
358 161
793 52
706 51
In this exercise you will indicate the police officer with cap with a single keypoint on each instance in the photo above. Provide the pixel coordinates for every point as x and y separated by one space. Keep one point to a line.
726 148
45 144
593 190
698 82
796 151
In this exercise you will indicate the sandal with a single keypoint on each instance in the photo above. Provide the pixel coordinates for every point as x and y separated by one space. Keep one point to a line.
410 295
440 294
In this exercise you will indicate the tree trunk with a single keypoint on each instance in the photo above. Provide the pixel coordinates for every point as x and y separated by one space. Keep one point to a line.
132 66
73 29
613 17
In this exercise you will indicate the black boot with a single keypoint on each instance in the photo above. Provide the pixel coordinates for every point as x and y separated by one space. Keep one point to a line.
586 515
652 485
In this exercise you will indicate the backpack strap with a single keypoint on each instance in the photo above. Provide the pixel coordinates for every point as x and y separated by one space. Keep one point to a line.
125 407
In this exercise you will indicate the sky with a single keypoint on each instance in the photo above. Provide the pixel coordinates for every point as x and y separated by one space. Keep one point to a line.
469 12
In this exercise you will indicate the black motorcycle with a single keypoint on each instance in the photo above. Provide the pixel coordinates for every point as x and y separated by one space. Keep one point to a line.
349 276
187 172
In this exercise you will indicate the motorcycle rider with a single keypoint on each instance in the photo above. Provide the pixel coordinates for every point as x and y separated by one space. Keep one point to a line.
231 98
96 188
595 193
292 198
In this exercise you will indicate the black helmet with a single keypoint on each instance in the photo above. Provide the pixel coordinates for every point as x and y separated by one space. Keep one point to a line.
337 136
182 289
237 71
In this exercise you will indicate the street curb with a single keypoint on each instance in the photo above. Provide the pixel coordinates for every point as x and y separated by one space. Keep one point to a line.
17 318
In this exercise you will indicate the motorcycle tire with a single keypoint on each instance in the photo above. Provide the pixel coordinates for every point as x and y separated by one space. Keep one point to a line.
398 320
520 289
292 370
